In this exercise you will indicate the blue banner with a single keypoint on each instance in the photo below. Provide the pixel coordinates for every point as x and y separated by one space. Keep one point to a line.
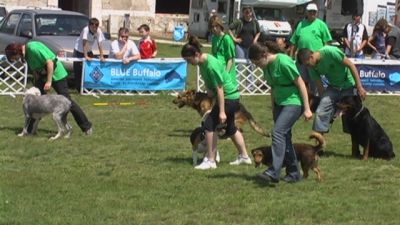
380 77
142 75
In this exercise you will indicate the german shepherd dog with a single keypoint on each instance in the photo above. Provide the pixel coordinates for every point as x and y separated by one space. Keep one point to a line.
364 130
202 103
36 106
307 155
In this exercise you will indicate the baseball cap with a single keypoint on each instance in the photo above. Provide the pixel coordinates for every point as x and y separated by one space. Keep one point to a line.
312 7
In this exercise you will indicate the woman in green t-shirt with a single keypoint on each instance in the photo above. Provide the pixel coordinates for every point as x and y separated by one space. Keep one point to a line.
48 73
222 46
289 100
220 85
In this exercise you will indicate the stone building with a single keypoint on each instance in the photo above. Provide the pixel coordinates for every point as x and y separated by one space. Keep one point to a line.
161 15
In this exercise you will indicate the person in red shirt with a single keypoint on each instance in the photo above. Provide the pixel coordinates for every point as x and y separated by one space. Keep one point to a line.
147 46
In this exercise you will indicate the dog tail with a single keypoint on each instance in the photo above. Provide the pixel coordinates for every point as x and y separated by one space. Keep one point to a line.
254 125
320 141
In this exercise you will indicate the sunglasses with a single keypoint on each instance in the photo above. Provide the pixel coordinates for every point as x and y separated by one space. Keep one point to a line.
94 24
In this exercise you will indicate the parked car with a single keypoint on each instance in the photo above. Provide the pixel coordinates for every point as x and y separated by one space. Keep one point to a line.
58 29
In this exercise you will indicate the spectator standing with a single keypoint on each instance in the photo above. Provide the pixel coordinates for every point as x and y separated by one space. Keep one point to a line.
123 48
245 32
221 86
147 45
377 41
222 46
89 36
343 79
355 38
289 100
393 42
311 33
40 58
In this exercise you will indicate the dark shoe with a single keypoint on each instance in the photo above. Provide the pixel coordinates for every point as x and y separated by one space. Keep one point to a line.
290 179
265 176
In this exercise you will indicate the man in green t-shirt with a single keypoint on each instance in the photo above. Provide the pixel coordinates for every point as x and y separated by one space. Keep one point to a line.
343 80
48 72
311 33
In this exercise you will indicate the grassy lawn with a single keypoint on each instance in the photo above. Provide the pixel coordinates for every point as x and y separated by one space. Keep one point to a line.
136 168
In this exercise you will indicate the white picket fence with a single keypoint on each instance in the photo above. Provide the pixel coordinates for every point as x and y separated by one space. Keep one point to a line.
249 77
13 77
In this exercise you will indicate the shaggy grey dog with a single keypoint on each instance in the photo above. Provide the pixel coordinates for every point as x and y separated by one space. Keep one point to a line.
36 106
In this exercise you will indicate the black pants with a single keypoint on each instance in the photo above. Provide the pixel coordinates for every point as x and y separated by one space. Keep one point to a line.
61 87
212 121
78 69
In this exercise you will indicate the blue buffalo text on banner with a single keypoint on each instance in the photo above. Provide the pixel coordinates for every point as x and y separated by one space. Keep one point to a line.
380 78
142 75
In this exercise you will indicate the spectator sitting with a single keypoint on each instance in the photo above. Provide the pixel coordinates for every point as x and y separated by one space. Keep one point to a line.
123 48
147 46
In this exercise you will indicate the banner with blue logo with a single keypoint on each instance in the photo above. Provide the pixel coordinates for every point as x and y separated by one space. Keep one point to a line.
142 75
379 77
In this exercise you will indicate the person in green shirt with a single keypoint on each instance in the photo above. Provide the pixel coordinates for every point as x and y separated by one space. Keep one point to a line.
222 46
48 72
219 84
289 100
311 33
342 77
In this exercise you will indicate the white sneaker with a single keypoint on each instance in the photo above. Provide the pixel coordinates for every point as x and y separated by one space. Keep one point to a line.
206 165
217 157
241 160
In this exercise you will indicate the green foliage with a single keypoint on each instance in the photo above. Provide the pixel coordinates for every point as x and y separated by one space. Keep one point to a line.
136 168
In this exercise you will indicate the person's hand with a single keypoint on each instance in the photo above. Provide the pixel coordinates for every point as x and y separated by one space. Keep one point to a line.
47 86
125 61
238 40
361 92
222 117
307 115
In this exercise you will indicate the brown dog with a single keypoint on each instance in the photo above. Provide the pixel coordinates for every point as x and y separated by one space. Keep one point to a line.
306 154
202 103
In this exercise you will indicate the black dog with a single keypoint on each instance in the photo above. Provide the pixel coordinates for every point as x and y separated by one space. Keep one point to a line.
364 130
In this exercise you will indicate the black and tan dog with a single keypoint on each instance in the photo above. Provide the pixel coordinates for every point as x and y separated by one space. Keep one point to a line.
364 130
202 103
307 155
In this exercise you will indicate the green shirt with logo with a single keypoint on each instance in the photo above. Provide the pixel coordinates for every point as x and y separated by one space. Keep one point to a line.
223 48
280 75
36 56
214 74
331 65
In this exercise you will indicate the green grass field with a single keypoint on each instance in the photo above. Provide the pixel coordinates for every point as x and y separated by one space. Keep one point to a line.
136 168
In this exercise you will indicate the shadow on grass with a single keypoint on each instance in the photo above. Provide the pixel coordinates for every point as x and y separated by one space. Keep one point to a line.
17 130
251 178
180 160
335 154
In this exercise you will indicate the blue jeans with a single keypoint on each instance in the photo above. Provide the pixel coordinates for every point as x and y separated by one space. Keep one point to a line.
282 148
327 107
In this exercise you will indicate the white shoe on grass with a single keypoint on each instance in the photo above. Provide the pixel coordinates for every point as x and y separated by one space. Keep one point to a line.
241 160
206 165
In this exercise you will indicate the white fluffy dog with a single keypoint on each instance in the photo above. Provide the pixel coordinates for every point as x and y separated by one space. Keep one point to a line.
36 106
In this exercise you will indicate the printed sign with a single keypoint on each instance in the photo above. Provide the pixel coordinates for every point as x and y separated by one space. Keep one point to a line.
380 77
142 75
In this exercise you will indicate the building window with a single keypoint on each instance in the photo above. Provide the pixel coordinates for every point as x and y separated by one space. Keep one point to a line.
178 6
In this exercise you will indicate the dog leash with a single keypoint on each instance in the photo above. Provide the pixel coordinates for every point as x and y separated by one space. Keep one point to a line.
358 113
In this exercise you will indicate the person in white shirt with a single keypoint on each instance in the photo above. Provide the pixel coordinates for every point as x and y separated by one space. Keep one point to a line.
123 48
89 36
